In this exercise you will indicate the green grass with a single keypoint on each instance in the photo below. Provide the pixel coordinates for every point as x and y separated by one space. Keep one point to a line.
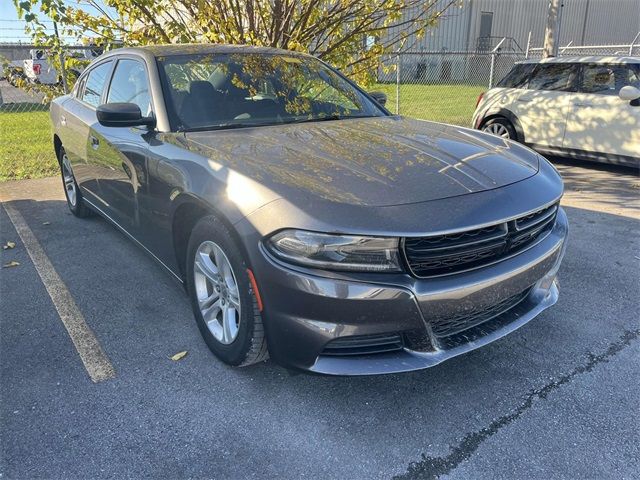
26 148
441 103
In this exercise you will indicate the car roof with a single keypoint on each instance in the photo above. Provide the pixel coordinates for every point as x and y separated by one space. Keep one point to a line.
197 48
590 59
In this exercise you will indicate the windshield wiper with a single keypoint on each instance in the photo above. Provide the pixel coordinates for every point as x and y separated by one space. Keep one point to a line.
222 126
329 117
229 126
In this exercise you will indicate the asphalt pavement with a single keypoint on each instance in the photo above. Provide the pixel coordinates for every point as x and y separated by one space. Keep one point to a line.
558 398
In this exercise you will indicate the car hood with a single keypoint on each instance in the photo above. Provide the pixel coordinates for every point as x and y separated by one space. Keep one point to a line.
379 161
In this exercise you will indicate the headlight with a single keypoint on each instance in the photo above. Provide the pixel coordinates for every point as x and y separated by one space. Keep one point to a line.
336 252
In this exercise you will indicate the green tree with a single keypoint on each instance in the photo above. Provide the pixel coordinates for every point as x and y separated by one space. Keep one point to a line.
349 34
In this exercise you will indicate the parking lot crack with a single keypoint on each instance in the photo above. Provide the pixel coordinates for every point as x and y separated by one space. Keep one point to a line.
434 467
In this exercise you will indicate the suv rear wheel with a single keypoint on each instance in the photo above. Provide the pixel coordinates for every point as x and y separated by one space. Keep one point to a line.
500 127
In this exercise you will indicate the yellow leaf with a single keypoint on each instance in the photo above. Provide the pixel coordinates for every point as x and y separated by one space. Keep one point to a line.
9 245
13 263
179 356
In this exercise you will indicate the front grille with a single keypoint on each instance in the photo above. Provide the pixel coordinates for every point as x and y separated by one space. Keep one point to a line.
448 326
364 344
457 252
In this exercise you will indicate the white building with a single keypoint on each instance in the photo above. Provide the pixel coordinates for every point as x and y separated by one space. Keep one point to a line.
480 24
477 26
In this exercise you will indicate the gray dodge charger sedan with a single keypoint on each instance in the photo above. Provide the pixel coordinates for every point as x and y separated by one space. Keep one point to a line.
305 221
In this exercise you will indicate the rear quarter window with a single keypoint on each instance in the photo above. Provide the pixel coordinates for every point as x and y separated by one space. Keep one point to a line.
605 79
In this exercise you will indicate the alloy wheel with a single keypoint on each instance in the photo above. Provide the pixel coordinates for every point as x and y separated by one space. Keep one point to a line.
217 292
497 129
69 181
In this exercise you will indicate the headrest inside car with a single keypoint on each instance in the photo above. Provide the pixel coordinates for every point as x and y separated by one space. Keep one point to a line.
201 88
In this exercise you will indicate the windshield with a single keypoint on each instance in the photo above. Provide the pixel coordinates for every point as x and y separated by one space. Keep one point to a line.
216 91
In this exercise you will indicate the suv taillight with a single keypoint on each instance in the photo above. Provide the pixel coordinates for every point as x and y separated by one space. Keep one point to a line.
479 99
36 68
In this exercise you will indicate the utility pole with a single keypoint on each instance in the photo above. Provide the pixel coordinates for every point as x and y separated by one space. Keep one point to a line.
553 29
63 70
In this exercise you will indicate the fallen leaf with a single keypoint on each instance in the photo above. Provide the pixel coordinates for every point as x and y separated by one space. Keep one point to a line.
179 356
9 245
46 223
13 263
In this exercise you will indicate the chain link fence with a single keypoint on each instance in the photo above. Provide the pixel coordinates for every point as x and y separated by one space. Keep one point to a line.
590 50
444 86
30 77
441 86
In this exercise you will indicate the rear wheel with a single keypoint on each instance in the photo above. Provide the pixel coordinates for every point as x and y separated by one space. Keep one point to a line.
500 127
222 297
75 202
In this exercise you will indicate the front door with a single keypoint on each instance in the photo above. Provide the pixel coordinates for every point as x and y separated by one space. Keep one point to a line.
120 154
599 121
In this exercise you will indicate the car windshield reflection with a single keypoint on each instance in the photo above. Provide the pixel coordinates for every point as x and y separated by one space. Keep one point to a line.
223 91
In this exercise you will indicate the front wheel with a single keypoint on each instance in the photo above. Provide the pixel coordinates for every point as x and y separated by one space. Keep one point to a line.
500 127
222 297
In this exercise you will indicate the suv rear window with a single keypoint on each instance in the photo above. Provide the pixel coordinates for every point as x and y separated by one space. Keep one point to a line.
518 76
554 76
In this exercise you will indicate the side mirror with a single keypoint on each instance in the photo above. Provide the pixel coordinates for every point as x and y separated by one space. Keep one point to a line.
122 115
379 97
629 93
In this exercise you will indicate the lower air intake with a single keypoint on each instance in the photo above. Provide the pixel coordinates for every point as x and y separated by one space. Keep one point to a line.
364 345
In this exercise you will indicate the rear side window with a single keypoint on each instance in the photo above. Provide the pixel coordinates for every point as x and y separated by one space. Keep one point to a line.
554 76
608 79
130 85
518 76
94 85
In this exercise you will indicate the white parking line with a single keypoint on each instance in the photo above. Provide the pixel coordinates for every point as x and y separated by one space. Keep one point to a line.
93 357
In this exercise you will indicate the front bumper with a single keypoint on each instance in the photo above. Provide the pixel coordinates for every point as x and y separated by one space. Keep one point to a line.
304 312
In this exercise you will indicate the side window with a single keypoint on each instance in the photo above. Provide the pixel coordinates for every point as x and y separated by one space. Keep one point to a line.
554 76
518 76
130 84
608 79
94 84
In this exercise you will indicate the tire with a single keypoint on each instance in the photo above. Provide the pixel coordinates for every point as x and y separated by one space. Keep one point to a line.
75 201
500 127
211 239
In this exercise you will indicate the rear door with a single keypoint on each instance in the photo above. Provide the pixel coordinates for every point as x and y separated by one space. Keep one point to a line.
599 121
79 116
542 110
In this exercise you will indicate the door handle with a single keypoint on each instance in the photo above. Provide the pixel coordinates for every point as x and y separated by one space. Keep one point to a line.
63 120
95 143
